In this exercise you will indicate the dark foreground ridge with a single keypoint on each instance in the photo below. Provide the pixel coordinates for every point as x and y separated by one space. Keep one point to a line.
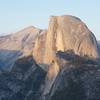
23 82
77 79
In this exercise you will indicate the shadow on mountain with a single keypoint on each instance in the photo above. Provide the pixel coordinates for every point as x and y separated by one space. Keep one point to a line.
7 58
23 82
78 79
70 57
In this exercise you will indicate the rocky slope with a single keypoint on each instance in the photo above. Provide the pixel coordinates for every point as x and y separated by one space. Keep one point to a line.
59 63
77 80
17 44
64 33
23 82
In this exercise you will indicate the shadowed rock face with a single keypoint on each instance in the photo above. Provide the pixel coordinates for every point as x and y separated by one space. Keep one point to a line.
7 58
77 80
77 84
23 82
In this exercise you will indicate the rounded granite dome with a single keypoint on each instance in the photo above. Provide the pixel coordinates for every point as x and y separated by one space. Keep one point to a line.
69 33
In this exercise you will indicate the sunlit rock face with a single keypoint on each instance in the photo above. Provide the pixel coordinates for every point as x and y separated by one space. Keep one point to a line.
69 33
39 47
17 44
41 70
64 33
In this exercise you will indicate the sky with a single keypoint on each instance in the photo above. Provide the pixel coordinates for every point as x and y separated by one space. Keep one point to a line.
18 14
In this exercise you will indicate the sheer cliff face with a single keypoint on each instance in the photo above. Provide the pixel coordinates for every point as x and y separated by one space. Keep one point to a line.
59 69
69 33
63 33
39 47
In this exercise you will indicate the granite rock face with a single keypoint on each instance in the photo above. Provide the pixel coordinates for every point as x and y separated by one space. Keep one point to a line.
64 33
69 33
59 63
17 44
39 47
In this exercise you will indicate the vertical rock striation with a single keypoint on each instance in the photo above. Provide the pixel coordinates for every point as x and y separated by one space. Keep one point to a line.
69 33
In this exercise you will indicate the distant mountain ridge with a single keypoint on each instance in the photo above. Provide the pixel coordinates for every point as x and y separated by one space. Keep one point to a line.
22 42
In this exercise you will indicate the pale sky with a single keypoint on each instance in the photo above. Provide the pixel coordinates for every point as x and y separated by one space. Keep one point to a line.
18 14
